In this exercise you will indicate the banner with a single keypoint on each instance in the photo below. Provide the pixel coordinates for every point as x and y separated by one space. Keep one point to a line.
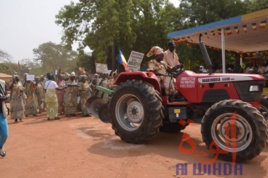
101 68
30 77
134 61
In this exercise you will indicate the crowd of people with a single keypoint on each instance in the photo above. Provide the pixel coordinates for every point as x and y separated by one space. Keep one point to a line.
57 95
63 94
236 67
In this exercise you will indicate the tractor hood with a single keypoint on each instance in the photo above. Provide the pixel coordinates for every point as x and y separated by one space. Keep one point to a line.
199 88
215 78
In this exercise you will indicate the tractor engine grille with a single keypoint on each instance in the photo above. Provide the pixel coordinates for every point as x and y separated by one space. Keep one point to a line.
249 91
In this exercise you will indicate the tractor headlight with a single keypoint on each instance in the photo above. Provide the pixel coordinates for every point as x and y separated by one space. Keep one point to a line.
253 88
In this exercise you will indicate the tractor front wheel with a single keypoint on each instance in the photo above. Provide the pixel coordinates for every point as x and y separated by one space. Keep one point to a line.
235 128
264 107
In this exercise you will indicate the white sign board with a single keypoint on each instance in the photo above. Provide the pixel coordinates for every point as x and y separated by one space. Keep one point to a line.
101 68
134 61
29 77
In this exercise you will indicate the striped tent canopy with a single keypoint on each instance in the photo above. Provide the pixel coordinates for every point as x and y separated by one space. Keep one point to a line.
245 33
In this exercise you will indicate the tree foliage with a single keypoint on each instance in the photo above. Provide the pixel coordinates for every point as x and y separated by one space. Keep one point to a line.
206 11
4 56
106 26
54 57
8 68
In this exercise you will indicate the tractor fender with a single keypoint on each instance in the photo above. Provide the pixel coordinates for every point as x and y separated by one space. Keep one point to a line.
148 77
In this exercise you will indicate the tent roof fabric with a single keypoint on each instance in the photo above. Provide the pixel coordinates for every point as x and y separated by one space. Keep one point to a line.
3 75
246 33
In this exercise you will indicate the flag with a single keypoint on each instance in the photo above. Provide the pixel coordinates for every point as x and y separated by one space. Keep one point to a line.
190 38
19 65
206 35
254 26
263 24
236 29
178 41
228 31
219 31
183 39
121 59
213 33
245 28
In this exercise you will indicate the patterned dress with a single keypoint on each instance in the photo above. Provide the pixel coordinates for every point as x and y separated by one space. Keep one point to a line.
84 92
70 98
166 82
60 94
39 95
31 102
52 103
51 100
17 101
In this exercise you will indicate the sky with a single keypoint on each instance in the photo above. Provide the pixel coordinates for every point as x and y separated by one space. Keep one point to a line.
26 24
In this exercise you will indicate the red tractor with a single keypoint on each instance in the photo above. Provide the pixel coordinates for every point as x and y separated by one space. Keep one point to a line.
227 105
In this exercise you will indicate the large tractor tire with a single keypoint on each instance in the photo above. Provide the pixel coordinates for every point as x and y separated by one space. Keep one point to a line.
136 112
264 107
235 128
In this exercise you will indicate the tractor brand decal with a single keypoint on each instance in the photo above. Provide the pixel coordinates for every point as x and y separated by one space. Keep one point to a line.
187 82
223 79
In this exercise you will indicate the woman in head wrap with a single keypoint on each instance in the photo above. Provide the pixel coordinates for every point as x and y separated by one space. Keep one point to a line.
60 93
39 94
158 66
70 96
31 102
84 94
17 99
51 97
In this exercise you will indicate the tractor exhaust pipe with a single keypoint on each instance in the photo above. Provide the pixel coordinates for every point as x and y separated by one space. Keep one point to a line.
205 54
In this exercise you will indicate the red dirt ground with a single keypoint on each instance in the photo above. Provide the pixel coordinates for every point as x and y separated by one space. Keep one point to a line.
84 147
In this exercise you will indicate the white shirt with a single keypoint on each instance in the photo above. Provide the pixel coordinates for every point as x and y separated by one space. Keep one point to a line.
50 84
171 58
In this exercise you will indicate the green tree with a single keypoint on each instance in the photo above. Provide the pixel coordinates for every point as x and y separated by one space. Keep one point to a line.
53 57
196 13
206 11
255 5
98 24
4 56
86 61
108 25
8 68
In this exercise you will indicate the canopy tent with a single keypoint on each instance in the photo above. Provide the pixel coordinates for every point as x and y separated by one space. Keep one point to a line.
246 33
5 77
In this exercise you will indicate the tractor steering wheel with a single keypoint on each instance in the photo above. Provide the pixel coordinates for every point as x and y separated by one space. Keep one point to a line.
174 72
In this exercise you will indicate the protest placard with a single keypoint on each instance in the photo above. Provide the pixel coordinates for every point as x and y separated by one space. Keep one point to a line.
134 61
30 77
101 68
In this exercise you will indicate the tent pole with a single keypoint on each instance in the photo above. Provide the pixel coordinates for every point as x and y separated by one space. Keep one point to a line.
223 51
241 59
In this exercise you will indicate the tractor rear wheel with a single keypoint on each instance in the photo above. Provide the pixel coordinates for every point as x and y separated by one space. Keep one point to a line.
136 111
236 128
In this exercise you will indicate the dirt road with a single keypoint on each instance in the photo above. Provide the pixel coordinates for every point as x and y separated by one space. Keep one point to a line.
79 147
